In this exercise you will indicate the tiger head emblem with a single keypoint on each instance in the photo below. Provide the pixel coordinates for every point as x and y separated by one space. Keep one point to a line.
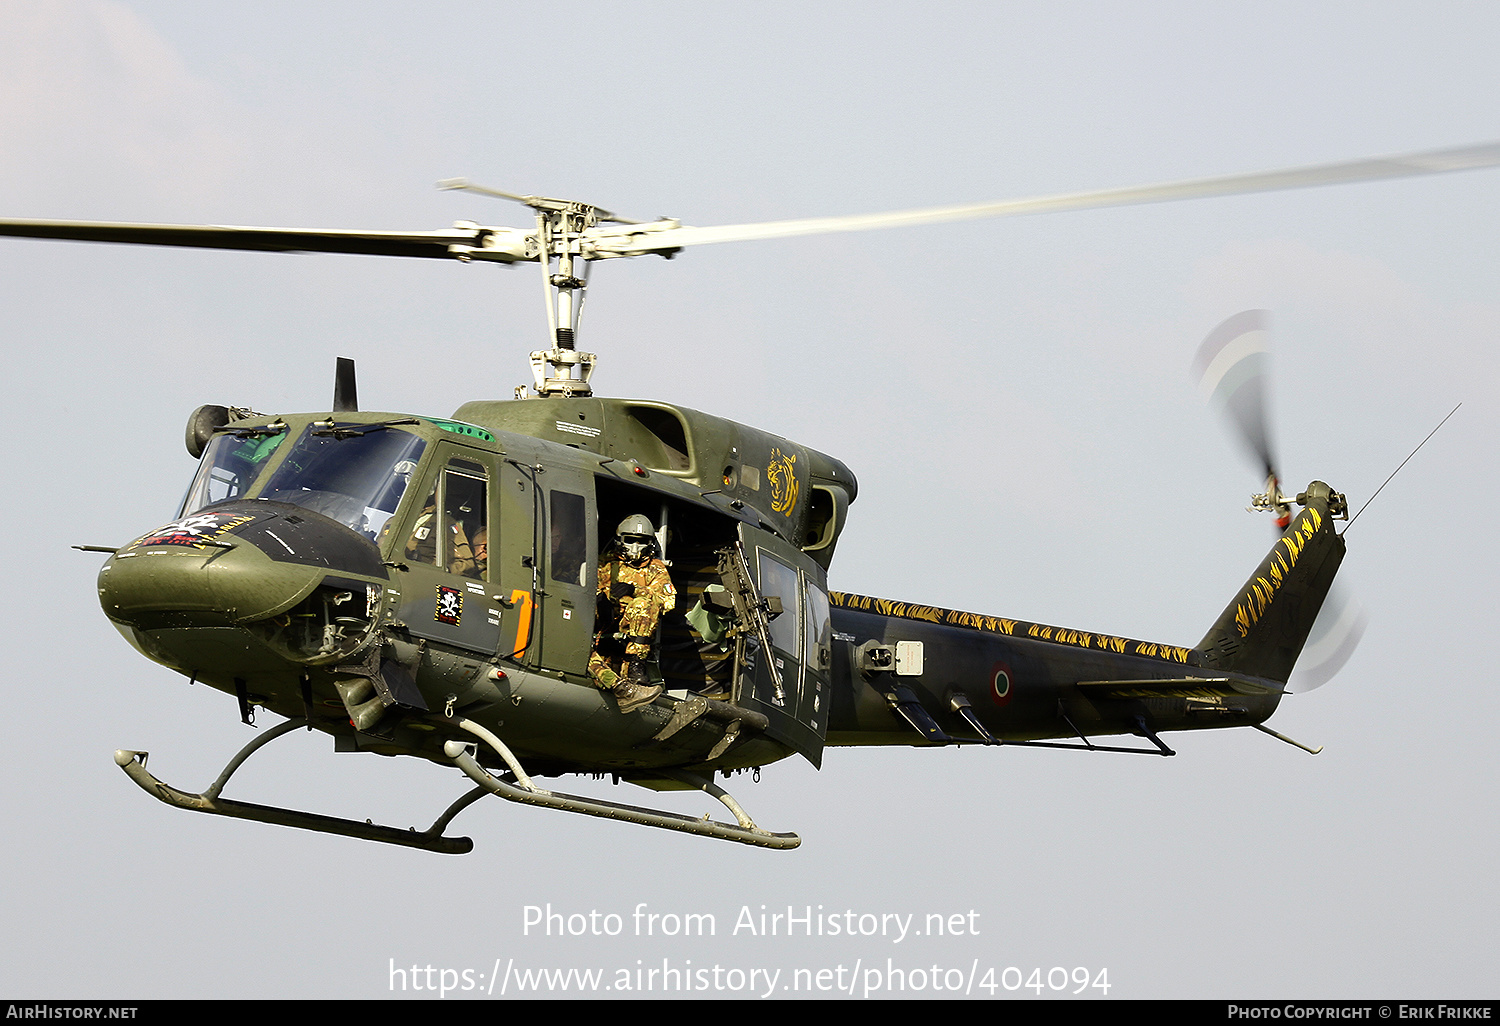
783 477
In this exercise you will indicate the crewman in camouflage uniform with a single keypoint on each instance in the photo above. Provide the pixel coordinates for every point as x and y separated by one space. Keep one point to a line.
634 591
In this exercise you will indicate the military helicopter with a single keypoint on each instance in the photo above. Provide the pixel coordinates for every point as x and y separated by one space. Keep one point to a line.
324 567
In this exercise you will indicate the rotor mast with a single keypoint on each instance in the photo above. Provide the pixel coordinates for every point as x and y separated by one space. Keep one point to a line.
559 226
559 245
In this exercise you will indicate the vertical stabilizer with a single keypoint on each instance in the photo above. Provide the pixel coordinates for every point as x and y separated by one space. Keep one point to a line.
1263 629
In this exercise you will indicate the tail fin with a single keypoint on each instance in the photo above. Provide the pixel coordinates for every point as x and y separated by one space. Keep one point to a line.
1262 631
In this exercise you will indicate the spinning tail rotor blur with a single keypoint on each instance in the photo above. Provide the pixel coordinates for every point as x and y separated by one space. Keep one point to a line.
1232 368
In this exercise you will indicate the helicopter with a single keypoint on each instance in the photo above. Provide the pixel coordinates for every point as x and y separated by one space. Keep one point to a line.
292 578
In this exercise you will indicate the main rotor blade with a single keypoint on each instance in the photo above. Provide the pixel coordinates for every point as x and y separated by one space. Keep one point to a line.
467 241
470 240
535 202
628 242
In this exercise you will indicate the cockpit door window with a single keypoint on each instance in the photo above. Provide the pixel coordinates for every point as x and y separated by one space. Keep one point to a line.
465 520
458 539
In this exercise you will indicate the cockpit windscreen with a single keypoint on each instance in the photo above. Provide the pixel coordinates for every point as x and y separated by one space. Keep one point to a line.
355 478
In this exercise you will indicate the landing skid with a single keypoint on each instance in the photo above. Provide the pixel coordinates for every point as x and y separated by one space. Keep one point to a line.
519 788
431 839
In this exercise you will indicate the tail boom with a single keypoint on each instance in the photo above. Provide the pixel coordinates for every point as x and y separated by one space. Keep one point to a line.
1010 680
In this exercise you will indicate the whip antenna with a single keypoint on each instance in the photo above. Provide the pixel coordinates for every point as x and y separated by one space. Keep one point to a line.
1398 469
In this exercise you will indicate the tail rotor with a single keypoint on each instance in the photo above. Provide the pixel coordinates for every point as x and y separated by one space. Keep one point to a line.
1232 368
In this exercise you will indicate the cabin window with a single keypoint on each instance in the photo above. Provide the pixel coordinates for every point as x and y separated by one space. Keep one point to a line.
819 634
569 538
779 580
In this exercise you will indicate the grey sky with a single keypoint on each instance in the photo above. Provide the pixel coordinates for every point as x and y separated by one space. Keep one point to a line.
1049 355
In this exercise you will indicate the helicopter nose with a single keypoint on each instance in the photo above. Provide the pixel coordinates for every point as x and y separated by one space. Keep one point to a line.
219 585
211 585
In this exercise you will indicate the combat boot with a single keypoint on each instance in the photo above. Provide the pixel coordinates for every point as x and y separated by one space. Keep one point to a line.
632 696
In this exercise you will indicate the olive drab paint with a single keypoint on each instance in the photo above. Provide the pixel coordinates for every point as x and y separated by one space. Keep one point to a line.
406 584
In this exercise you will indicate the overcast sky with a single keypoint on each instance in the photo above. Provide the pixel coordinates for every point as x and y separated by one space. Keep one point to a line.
1013 396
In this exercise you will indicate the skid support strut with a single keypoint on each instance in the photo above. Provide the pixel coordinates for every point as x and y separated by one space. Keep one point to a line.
431 839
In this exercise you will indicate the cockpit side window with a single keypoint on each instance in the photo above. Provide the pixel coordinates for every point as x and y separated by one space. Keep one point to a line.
228 468
458 539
